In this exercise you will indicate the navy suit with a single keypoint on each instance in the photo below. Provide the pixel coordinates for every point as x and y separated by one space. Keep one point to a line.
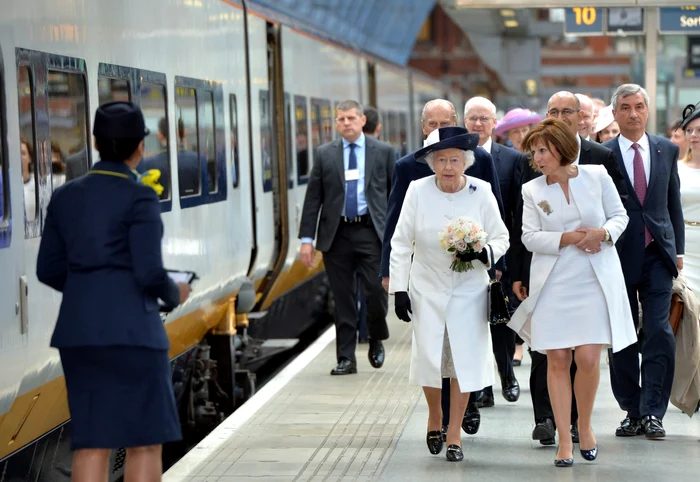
649 273
407 169
189 173
101 247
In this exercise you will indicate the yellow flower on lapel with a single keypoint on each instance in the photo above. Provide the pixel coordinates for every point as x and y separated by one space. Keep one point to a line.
544 205
150 178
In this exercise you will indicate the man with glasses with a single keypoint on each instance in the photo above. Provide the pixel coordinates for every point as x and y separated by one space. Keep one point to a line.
436 113
566 107
480 118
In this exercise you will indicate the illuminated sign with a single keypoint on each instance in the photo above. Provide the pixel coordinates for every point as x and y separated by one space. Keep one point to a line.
625 21
679 20
583 21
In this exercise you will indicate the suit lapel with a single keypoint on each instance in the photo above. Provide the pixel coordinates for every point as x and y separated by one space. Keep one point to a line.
654 160
339 163
585 156
370 160
581 192
495 153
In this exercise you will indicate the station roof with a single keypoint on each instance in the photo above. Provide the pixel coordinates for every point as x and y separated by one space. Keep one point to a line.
383 28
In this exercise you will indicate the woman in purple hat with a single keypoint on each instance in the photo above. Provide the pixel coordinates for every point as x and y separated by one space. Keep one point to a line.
515 125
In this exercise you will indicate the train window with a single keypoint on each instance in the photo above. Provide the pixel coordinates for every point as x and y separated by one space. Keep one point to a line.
25 90
155 155
323 117
288 148
386 127
113 90
188 168
394 131
266 140
302 138
403 134
207 137
4 193
235 168
67 125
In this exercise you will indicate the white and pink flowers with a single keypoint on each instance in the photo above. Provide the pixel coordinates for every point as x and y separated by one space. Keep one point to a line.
462 235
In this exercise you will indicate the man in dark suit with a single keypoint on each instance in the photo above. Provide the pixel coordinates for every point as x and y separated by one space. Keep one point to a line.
480 118
651 253
77 164
160 160
349 184
565 107
436 113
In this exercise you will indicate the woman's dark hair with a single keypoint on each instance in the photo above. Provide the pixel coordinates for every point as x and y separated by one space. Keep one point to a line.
554 133
116 150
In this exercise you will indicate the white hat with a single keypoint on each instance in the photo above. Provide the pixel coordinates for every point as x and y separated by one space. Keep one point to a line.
604 119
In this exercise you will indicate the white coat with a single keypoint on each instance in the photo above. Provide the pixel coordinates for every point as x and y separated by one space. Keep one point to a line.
600 207
441 298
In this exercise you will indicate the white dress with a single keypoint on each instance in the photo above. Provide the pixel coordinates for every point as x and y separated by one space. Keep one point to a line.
444 301
690 199
571 310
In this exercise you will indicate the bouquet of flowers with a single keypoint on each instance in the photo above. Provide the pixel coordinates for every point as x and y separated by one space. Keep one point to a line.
460 236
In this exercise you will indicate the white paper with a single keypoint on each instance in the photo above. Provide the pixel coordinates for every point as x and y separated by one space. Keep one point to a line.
352 175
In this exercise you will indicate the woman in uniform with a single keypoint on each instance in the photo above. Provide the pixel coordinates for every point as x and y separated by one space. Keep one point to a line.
101 247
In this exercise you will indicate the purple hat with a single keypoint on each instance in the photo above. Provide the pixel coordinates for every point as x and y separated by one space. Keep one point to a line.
516 118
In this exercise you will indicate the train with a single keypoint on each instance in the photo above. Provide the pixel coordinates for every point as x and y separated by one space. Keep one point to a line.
252 96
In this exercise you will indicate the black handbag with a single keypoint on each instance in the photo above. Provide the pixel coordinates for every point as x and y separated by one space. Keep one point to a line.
499 312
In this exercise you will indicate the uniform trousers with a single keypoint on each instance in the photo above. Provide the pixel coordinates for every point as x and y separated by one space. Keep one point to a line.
356 248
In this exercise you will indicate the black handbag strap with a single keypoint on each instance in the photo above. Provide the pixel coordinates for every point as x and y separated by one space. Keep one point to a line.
493 261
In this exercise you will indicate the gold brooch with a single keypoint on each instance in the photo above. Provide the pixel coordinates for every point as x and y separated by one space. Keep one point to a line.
544 205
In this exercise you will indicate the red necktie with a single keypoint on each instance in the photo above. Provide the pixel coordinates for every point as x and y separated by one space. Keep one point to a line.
640 186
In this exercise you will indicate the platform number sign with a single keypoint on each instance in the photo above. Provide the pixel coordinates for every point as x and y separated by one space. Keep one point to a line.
584 21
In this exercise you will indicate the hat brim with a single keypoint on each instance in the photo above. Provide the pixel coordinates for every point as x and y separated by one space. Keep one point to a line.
515 123
465 142
694 115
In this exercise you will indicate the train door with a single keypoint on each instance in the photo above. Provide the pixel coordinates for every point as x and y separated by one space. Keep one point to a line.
13 348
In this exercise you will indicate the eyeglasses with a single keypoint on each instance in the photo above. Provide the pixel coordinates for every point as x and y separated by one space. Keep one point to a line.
566 112
482 119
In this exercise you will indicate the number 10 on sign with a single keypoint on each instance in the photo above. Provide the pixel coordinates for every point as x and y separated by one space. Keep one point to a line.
584 21
585 15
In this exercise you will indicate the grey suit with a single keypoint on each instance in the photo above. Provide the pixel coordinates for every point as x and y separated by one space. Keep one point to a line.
350 247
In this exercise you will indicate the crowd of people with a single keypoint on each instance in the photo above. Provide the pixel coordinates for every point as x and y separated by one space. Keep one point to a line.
583 218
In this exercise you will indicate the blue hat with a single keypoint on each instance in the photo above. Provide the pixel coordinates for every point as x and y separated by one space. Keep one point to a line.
120 120
447 138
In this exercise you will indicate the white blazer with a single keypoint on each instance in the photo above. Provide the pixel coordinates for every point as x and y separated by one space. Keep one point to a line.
601 207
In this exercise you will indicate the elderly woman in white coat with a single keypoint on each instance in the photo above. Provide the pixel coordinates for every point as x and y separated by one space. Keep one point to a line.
572 216
447 308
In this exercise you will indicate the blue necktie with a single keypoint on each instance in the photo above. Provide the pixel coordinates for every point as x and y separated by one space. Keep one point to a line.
351 187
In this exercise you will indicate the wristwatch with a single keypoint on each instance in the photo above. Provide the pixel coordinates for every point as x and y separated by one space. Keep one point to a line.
607 236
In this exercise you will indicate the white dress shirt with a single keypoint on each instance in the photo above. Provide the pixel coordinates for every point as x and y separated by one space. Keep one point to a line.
487 145
628 156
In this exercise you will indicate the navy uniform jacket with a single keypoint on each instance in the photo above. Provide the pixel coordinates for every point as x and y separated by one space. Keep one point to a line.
407 170
661 212
101 248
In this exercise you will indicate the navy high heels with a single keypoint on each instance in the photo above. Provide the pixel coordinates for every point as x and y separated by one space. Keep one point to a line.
564 462
590 455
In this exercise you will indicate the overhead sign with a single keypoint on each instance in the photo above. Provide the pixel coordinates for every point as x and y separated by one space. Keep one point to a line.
584 21
625 21
694 52
679 20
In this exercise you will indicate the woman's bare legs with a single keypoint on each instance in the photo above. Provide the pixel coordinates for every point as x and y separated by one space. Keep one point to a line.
432 396
585 388
143 464
458 405
90 465
559 385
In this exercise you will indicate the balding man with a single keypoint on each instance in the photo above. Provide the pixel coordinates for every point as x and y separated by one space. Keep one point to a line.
566 107
480 118
585 123
436 113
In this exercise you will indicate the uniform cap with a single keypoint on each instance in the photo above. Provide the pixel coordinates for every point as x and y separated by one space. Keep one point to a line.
120 120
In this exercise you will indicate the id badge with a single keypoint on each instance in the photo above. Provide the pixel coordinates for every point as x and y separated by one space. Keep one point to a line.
352 174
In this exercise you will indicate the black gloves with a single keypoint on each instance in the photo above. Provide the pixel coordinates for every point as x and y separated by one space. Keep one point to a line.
402 305
471 256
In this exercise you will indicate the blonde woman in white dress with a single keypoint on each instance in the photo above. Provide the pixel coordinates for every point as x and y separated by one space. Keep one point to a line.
572 216
447 308
689 173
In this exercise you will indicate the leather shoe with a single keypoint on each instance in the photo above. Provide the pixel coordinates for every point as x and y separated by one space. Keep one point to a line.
454 453
434 441
653 428
544 430
574 433
510 388
376 353
472 419
344 367
630 427
484 400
